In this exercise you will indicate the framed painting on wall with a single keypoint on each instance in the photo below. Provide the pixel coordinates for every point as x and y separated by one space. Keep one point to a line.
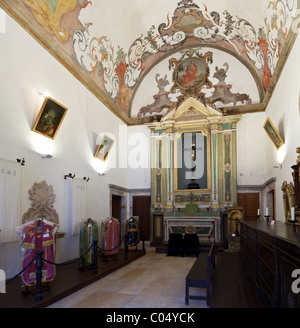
49 118
104 148
273 134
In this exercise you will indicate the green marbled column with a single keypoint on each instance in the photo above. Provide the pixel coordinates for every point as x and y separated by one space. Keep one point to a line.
214 165
234 167
220 167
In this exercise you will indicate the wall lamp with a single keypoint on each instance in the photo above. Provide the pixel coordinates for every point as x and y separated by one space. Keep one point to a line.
46 156
86 179
70 175
277 166
21 161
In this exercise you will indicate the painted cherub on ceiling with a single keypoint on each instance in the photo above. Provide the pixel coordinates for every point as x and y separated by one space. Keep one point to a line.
49 14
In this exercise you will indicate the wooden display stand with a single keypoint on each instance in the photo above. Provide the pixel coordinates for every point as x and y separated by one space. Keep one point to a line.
31 290
85 268
110 258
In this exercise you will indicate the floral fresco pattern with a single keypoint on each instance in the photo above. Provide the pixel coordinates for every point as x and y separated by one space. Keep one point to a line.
118 71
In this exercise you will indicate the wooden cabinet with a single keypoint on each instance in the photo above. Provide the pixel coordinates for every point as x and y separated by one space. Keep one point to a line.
141 208
288 260
270 254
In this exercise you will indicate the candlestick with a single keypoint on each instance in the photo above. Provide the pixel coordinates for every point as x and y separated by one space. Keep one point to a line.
267 218
293 213
293 224
258 212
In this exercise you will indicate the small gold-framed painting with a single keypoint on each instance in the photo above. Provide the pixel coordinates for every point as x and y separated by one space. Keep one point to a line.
49 118
104 148
273 134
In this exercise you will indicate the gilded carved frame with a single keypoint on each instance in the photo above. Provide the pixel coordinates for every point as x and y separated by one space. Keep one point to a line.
50 118
273 134
191 72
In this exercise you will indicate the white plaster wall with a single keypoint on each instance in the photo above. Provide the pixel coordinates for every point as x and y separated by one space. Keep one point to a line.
26 69
251 150
257 155
283 110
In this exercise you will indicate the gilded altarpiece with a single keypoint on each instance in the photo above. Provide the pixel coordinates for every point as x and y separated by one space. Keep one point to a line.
197 208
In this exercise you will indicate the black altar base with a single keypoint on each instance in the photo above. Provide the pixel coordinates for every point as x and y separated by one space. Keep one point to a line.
68 280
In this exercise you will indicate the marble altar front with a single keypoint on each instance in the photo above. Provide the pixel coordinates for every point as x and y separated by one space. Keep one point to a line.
205 224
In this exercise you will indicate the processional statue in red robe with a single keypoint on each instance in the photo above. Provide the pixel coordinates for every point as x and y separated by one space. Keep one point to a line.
111 237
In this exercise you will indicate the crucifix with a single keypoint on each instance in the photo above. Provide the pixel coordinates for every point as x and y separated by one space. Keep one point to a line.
192 163
193 150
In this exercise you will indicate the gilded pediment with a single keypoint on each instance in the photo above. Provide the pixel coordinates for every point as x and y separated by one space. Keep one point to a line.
190 115
191 109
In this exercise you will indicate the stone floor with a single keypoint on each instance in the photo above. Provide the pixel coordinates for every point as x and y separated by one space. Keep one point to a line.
152 281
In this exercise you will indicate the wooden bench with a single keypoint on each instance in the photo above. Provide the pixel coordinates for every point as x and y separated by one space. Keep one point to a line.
201 275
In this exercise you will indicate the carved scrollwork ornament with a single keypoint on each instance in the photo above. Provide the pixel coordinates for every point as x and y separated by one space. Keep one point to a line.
42 203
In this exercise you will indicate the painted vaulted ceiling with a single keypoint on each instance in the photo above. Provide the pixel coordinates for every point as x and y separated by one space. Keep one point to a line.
131 53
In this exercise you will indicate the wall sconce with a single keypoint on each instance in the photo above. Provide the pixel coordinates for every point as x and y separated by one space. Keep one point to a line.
101 174
70 175
46 156
21 161
45 94
277 166
86 179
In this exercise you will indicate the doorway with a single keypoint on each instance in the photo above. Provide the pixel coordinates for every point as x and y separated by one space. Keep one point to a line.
141 208
250 204
116 210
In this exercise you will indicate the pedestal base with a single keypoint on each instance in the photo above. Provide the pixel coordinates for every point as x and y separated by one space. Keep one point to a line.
293 225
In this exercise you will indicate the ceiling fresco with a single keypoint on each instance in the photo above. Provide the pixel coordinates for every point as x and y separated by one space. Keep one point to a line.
124 51
227 77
